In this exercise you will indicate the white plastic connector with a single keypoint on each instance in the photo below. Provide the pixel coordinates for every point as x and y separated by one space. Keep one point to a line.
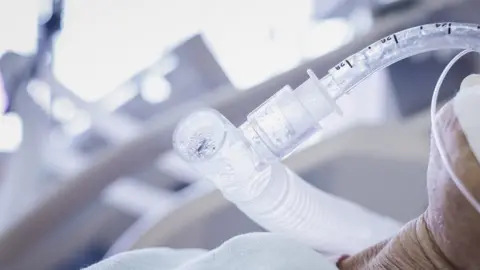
325 94
315 98
278 126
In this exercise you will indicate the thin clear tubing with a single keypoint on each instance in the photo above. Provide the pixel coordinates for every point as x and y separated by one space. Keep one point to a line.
244 162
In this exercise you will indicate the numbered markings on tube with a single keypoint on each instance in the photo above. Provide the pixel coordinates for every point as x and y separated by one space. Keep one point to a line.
349 64
438 25
396 39
384 40
391 38
445 25
343 64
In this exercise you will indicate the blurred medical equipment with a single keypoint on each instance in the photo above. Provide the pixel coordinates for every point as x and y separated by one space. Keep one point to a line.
3 97
243 162
48 28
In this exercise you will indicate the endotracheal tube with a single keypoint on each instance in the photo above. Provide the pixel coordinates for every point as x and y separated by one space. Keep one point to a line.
244 162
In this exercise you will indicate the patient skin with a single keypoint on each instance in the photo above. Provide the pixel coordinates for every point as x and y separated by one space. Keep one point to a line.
447 234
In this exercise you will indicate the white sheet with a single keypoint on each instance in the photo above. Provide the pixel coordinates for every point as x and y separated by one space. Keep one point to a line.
256 251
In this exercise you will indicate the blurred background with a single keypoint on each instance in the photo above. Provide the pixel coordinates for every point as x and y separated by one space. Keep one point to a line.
91 91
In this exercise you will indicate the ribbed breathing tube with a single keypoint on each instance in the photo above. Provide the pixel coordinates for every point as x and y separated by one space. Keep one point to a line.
244 163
